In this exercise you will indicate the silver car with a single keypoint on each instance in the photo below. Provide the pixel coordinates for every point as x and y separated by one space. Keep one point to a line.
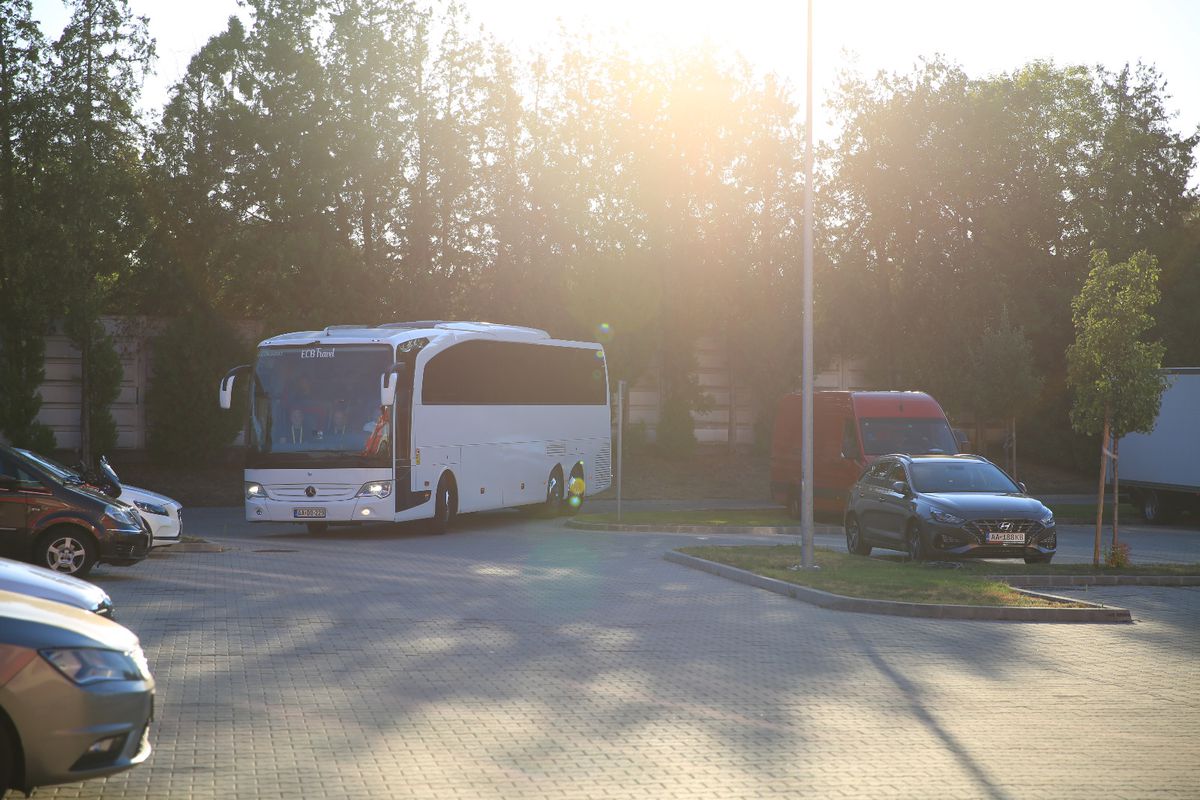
50 585
76 695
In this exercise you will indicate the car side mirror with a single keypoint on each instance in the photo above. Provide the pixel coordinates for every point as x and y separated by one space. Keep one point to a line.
964 441
900 487
1021 486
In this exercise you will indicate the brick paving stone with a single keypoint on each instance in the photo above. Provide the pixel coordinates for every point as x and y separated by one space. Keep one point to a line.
517 658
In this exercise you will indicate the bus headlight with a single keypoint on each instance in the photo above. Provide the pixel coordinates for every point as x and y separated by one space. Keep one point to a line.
377 489
255 491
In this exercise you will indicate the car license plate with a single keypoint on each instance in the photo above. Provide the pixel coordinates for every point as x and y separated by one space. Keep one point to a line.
308 513
1000 537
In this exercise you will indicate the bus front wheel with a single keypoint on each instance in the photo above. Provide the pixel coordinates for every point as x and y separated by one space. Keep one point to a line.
445 507
554 494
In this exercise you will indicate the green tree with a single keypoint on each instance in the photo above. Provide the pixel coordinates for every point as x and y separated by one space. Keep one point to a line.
26 299
1115 376
190 356
96 77
1001 379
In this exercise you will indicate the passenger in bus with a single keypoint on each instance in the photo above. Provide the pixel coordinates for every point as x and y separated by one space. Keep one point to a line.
294 434
341 434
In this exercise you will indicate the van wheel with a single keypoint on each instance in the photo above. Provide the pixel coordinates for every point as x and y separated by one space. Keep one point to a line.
445 507
67 550
1155 508
854 538
575 491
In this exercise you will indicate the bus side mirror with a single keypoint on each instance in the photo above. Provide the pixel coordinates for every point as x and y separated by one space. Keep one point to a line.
227 385
388 382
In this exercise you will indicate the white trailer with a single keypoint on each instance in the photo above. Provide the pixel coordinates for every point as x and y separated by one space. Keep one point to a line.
1161 470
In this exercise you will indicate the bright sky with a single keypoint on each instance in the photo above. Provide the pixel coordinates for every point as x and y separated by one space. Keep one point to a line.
869 35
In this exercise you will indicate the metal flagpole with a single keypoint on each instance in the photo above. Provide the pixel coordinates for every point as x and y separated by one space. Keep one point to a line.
806 375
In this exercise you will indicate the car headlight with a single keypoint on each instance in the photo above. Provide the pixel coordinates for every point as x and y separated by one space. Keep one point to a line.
123 515
1047 520
255 491
152 508
946 518
87 665
379 489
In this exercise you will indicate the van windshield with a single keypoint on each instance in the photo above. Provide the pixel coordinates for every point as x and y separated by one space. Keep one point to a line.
882 435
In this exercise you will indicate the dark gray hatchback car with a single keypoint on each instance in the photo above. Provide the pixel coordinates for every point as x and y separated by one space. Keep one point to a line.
64 525
947 507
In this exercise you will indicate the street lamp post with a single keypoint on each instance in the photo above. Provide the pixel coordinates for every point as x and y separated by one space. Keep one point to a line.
806 373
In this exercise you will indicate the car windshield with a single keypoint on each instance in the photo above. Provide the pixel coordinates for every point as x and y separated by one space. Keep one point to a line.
942 477
881 435
317 400
56 469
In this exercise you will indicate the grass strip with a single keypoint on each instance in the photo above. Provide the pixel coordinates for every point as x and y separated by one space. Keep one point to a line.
871 578
725 517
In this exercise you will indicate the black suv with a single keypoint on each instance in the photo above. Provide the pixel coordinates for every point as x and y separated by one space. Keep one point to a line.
62 524
947 507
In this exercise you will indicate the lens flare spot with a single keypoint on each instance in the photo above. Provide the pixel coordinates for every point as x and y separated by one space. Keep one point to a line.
575 502
604 332
575 487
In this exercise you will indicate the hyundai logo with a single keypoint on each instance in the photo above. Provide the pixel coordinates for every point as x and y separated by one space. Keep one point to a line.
311 491
1004 526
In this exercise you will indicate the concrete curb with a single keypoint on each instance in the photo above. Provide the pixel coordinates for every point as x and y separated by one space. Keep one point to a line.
760 530
837 602
1062 581
187 547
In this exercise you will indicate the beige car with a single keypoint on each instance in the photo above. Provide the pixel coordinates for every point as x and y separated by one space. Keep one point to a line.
76 695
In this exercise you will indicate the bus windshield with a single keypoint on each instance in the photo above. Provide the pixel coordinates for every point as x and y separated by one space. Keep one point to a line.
319 402
912 435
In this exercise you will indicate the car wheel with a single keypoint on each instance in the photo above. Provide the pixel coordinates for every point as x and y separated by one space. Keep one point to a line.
1154 507
914 545
66 550
854 539
317 527
8 757
445 507
575 491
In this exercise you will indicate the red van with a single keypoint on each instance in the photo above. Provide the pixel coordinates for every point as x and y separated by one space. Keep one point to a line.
850 430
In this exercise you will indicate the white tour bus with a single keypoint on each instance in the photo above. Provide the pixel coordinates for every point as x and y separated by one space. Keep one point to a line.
421 420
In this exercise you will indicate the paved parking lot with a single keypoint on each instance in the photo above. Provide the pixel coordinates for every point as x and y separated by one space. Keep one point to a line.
516 658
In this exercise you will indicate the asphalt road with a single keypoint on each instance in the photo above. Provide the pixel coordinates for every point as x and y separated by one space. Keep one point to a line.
518 658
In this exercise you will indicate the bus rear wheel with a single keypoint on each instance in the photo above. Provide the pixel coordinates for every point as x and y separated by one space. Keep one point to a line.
576 488
445 507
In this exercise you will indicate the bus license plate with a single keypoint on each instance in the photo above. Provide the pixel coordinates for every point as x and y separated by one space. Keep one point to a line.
997 537
308 513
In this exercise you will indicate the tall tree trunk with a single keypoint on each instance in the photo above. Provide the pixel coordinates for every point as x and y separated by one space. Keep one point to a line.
1116 462
1014 448
85 406
1100 491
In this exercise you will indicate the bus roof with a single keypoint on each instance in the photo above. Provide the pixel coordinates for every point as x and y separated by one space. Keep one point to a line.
396 332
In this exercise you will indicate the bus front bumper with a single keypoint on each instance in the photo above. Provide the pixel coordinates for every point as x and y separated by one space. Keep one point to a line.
358 509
